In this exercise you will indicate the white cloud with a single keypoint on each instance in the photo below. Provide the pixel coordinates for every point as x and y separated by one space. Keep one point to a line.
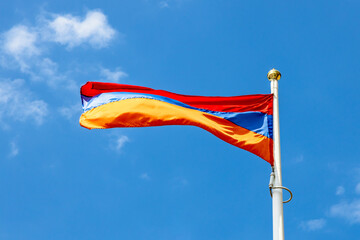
340 190
120 141
27 48
314 224
18 104
47 71
179 182
19 51
14 149
357 188
172 3
66 29
71 111
145 176
299 158
113 76
163 4
347 210
20 40
73 31
184 181
19 43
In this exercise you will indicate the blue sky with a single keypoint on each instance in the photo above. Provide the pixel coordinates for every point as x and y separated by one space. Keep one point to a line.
61 181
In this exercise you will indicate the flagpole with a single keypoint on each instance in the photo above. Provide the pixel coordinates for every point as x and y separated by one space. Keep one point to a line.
277 196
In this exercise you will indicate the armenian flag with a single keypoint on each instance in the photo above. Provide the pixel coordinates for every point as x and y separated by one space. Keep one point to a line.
243 121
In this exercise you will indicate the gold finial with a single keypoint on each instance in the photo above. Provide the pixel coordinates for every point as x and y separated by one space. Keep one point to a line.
274 74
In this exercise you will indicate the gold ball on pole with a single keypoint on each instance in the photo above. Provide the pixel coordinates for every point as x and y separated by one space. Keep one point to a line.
273 74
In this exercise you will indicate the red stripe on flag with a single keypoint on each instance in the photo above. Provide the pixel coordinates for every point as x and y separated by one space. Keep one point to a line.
256 103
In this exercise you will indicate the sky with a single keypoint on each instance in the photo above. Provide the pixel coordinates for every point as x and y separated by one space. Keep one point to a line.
61 181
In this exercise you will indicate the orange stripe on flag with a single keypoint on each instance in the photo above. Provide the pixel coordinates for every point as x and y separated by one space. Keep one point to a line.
140 112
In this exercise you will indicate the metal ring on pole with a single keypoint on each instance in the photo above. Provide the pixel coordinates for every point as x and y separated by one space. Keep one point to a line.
281 187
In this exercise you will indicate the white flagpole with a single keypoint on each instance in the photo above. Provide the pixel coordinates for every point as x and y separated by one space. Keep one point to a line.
277 196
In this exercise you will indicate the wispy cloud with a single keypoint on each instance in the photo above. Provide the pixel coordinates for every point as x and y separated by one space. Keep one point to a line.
313 224
349 211
120 142
299 158
14 149
22 50
70 111
18 104
357 188
72 31
179 182
27 48
170 3
46 70
340 190
164 4
113 76
20 43
20 40
145 176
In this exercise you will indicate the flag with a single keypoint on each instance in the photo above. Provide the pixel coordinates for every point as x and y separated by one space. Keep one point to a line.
243 121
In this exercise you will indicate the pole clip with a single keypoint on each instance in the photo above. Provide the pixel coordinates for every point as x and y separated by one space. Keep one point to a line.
271 187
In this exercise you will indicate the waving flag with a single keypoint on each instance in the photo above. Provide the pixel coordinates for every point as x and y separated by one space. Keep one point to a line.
243 121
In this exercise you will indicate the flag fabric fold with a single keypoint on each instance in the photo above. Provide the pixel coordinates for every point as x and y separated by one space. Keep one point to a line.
243 121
